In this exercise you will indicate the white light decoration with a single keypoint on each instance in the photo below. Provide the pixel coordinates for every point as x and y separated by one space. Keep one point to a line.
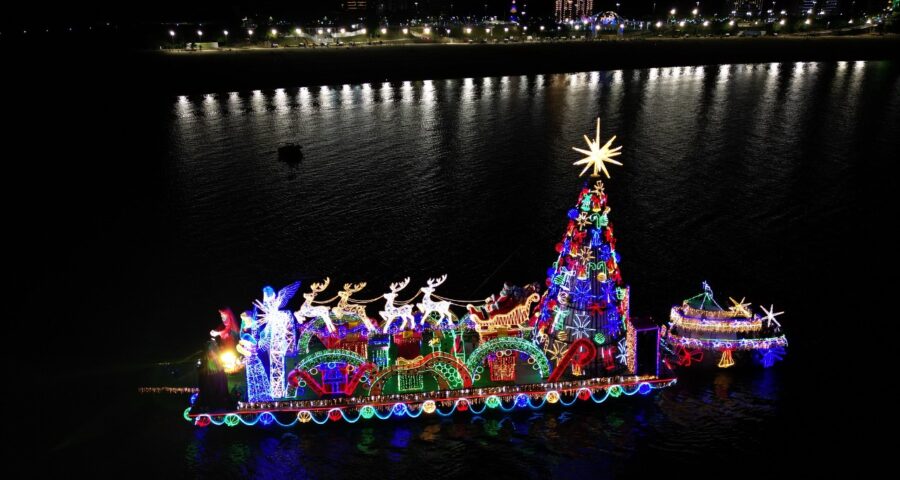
392 312
622 356
307 310
581 326
770 316
429 306
597 156
280 327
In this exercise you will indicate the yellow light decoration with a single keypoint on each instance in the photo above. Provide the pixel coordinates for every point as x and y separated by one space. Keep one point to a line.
304 416
726 360
229 361
597 157
740 307
429 406
552 396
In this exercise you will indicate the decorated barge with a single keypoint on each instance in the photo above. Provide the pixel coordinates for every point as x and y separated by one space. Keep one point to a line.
569 340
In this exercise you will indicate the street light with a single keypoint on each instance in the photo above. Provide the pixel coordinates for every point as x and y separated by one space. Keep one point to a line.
298 31
468 30
225 32
542 28
672 12
200 33
172 34
426 31
250 31
274 32
405 31
383 31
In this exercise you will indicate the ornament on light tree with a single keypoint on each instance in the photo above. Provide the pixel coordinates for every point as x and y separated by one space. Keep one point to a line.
557 350
307 310
726 361
622 356
597 156
279 325
429 306
392 312
581 326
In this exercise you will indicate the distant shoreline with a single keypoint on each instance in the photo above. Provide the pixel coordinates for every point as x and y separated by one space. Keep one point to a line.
180 73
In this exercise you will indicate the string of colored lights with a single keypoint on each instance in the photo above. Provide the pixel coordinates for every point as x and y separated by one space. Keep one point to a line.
461 404
719 344
714 325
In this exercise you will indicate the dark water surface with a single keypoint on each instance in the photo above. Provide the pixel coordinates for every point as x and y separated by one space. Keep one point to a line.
752 177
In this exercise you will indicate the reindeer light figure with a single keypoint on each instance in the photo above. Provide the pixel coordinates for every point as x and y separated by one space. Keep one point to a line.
392 312
344 307
307 310
428 305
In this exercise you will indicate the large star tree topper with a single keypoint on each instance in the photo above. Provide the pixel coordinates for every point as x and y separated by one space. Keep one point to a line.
597 157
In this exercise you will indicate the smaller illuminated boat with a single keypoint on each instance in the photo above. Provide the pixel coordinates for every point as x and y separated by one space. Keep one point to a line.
700 327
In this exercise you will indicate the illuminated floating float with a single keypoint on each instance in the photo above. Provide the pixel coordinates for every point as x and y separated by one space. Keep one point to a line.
331 360
700 327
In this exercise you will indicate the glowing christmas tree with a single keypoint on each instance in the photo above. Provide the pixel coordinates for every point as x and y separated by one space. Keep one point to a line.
585 296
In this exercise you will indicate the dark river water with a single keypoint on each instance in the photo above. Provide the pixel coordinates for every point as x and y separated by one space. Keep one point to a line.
753 177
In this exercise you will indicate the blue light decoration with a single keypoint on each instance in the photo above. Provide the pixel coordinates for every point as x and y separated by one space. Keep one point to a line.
501 403
768 357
